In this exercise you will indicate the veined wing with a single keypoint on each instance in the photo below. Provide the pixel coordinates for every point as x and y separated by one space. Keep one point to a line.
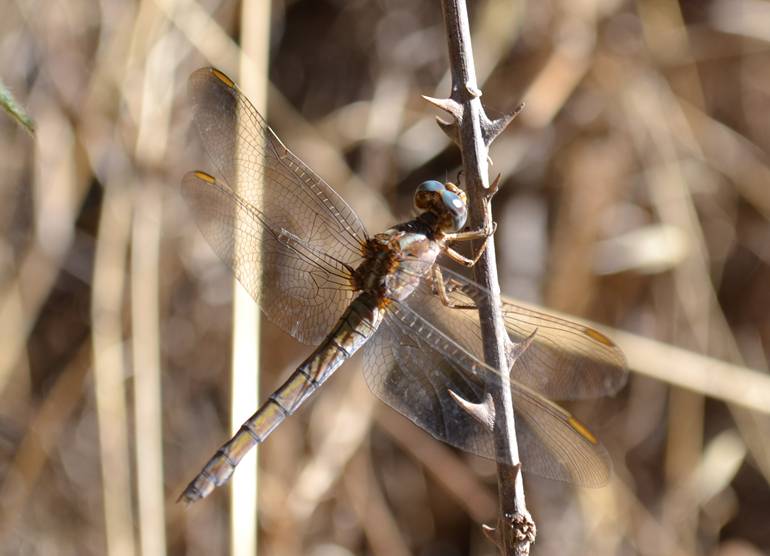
412 366
425 350
244 149
566 360
302 290
279 194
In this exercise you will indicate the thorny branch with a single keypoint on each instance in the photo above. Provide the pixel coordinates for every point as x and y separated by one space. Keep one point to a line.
473 131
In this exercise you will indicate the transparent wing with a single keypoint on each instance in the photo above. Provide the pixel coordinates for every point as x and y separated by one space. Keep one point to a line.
296 227
303 290
413 379
244 149
566 360
412 366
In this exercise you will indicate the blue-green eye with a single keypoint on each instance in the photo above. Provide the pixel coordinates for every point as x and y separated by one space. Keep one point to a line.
430 186
456 207
426 193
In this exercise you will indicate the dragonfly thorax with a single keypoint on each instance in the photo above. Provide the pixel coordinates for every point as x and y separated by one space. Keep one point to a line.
396 260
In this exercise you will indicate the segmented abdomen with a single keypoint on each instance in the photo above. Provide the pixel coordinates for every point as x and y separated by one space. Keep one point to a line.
354 328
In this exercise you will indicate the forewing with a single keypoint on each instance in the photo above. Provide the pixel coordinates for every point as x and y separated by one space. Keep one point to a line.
302 290
566 360
261 170
412 366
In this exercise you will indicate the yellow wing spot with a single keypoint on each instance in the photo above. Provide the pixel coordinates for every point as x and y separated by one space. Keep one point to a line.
205 177
582 430
223 78
599 337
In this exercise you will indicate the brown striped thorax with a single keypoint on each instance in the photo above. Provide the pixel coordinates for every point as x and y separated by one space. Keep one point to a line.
395 260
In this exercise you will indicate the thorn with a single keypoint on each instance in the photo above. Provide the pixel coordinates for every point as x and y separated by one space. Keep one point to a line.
510 353
473 90
450 129
492 534
493 188
448 105
490 129
516 350
483 412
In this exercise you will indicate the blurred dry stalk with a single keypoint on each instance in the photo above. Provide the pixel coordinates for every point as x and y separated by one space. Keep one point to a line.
245 372
638 195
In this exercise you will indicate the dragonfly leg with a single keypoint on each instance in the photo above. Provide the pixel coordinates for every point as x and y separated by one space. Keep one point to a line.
469 235
462 259
441 290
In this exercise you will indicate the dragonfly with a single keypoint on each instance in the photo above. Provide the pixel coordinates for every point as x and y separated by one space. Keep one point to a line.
305 257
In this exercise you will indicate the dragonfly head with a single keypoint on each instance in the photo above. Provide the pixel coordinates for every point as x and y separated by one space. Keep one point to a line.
446 201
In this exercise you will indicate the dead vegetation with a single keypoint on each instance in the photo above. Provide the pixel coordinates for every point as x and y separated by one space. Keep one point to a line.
636 194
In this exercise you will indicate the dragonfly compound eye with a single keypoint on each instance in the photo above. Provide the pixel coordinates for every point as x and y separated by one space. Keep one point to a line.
427 193
455 207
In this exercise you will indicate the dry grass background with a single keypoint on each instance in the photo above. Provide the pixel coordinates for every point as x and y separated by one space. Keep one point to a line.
636 194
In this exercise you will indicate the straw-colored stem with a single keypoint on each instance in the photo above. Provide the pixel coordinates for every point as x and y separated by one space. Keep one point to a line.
255 44
147 384
109 370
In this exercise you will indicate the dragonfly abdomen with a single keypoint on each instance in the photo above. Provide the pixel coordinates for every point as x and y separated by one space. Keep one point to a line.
354 328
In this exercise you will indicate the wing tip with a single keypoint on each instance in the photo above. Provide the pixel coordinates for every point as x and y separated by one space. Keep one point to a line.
196 83
201 175
217 74
195 179
582 430
599 337
222 77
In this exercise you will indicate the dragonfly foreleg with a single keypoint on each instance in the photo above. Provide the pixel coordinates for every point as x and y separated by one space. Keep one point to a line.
468 235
